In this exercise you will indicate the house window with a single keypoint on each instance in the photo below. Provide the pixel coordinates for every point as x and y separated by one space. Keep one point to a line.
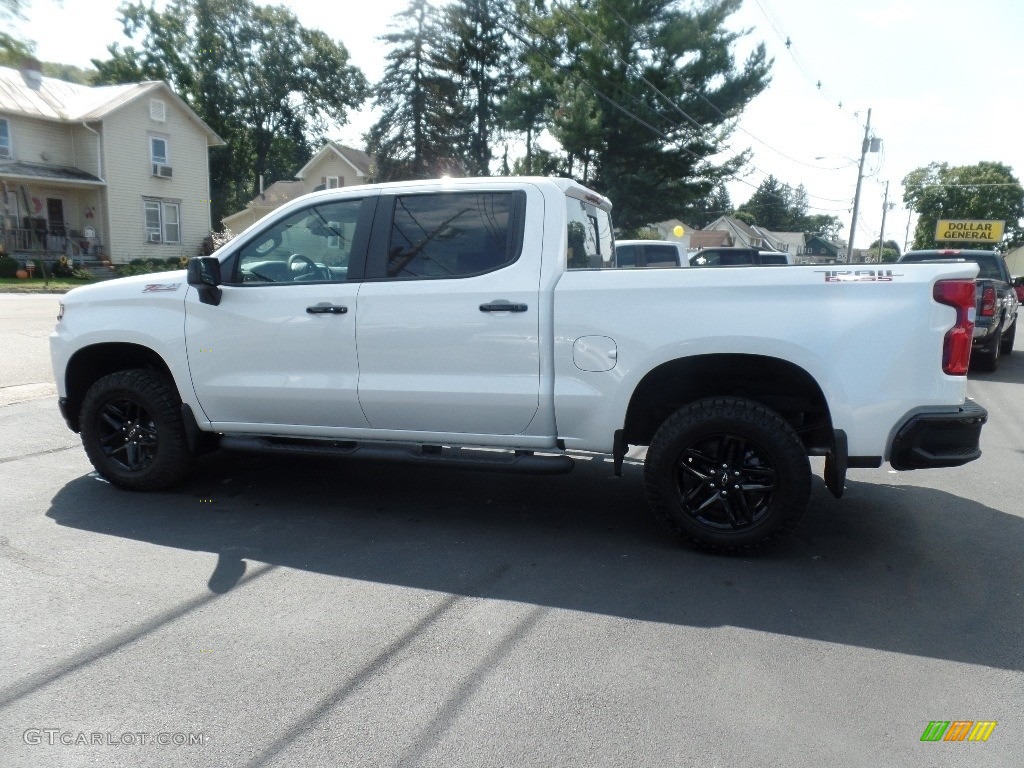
5 139
332 182
158 150
163 222
157 110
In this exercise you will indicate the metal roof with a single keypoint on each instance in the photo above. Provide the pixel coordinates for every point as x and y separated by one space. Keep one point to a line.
49 172
47 98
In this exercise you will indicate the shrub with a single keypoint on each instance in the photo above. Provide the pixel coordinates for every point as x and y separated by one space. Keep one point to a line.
8 267
66 269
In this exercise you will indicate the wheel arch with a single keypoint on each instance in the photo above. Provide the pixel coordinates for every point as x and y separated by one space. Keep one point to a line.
92 363
778 384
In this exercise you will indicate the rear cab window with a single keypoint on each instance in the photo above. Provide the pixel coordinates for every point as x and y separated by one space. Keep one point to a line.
589 236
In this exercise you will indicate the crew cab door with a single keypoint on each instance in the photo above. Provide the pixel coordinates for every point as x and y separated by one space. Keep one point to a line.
280 347
448 330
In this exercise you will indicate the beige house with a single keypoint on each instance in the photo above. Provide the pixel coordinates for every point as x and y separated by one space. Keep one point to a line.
335 165
116 171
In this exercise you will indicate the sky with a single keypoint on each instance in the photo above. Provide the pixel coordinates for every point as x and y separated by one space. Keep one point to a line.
943 80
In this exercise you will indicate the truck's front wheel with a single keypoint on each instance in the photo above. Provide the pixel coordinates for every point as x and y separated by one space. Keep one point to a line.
133 432
727 474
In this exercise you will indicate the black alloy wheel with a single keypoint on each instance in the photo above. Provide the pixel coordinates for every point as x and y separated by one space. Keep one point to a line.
726 482
727 474
127 434
133 432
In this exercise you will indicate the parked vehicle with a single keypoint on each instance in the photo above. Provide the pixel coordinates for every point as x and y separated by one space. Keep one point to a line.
630 254
423 321
997 302
1018 287
737 256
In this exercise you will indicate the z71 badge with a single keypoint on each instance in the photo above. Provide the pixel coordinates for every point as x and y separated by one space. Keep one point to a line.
858 275
154 287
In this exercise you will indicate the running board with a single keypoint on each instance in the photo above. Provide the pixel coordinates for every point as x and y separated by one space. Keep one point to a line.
521 462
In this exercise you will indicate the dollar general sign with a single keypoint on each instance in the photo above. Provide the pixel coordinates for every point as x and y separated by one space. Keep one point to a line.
969 230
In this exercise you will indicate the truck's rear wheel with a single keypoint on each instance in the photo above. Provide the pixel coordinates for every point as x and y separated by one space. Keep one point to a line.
988 360
727 474
133 432
1006 346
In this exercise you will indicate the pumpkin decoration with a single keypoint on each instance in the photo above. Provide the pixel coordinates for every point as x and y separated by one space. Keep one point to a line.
21 274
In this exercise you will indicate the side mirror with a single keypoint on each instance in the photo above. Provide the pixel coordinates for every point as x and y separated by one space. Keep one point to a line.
204 274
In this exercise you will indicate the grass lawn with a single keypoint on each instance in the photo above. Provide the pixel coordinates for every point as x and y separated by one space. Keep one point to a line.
39 285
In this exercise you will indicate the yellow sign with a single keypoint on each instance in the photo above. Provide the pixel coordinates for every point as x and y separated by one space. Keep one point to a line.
969 230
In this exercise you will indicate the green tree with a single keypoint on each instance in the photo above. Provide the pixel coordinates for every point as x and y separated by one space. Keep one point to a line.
477 55
771 206
823 224
668 93
576 125
987 190
266 84
890 251
705 210
418 133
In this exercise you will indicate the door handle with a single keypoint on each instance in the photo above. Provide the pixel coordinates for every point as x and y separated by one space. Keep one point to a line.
502 306
327 309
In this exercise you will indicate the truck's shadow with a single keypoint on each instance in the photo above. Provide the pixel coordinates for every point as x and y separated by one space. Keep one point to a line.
909 570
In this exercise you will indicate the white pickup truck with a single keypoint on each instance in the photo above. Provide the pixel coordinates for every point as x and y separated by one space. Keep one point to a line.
438 321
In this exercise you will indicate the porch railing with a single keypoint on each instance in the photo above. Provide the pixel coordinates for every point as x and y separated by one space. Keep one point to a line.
21 240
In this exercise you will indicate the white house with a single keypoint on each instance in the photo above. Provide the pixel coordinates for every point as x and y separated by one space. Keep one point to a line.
119 171
335 165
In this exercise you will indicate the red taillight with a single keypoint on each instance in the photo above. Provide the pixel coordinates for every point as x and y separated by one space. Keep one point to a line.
956 348
988 301
1020 293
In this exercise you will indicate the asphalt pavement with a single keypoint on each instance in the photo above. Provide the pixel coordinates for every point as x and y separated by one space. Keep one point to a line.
283 612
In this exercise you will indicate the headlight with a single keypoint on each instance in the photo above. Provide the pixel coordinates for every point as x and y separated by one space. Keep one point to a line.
60 311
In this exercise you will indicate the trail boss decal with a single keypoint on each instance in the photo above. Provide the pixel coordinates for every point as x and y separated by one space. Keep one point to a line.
858 275
155 287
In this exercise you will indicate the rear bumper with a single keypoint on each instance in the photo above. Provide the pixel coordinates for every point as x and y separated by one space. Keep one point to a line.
928 440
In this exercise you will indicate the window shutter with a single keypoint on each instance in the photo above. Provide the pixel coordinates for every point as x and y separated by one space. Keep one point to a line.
323 181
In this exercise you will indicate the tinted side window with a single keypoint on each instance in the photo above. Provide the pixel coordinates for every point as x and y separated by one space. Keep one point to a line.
769 258
314 244
732 259
453 234
661 255
625 255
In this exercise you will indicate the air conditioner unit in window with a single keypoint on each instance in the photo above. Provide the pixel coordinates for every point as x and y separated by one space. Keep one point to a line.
163 171
154 238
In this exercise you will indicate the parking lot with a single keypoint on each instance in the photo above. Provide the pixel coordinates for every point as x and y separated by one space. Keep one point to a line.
296 612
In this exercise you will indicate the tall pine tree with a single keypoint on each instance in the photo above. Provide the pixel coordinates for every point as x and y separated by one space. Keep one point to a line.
668 91
419 133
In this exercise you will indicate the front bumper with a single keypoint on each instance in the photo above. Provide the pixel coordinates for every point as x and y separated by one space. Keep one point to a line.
928 440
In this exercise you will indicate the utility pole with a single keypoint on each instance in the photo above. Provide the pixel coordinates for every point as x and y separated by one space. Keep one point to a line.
860 177
885 207
906 236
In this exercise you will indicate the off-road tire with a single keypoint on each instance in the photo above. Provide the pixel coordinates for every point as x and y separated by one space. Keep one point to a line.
133 432
737 446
